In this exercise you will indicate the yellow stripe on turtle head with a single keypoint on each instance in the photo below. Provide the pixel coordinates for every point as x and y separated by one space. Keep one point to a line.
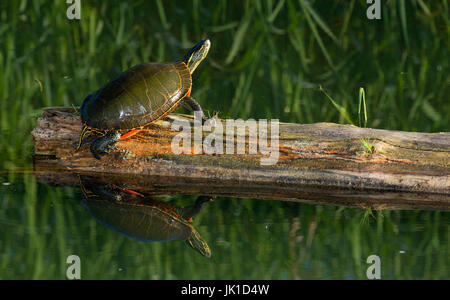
199 244
198 53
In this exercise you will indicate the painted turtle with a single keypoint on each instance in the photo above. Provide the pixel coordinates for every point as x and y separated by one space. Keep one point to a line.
143 218
137 97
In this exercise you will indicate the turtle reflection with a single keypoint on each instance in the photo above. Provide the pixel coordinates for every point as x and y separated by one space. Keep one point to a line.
141 217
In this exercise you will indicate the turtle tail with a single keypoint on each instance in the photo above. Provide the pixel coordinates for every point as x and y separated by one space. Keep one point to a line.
199 244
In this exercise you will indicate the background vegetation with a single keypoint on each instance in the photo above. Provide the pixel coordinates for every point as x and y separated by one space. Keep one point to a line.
268 60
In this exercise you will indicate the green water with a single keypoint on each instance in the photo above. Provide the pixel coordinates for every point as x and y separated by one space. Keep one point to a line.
268 60
249 239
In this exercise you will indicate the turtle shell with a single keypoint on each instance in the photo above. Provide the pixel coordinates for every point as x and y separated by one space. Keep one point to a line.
141 217
145 220
143 94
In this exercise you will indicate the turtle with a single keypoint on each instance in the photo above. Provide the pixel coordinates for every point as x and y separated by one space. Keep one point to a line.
141 217
137 97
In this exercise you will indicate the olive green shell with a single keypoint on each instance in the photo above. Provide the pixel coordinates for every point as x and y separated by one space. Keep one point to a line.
146 220
138 216
137 97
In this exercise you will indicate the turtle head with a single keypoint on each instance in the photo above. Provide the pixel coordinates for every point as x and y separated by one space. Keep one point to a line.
199 244
194 57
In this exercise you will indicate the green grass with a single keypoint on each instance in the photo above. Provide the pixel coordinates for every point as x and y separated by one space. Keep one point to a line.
268 59
362 107
368 145
362 110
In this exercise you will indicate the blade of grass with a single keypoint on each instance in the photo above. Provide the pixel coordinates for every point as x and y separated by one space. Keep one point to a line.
340 108
362 102
238 38
404 22
319 21
275 12
162 15
306 10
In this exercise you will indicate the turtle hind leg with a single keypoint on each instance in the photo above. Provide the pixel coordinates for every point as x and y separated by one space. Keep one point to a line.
188 212
103 145
192 105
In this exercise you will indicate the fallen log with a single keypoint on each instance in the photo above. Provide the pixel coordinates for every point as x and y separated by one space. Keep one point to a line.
319 158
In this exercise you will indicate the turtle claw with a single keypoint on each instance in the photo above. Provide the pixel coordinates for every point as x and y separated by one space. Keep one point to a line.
209 122
103 145
112 148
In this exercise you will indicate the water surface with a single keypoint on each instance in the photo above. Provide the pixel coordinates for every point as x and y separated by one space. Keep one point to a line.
249 239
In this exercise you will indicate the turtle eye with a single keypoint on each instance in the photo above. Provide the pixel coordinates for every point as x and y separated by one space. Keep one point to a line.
194 50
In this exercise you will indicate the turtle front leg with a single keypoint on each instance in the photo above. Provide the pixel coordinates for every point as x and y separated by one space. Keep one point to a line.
188 212
192 105
104 144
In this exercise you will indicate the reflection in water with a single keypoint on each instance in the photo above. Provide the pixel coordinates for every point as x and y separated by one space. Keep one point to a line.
42 223
141 217
252 238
